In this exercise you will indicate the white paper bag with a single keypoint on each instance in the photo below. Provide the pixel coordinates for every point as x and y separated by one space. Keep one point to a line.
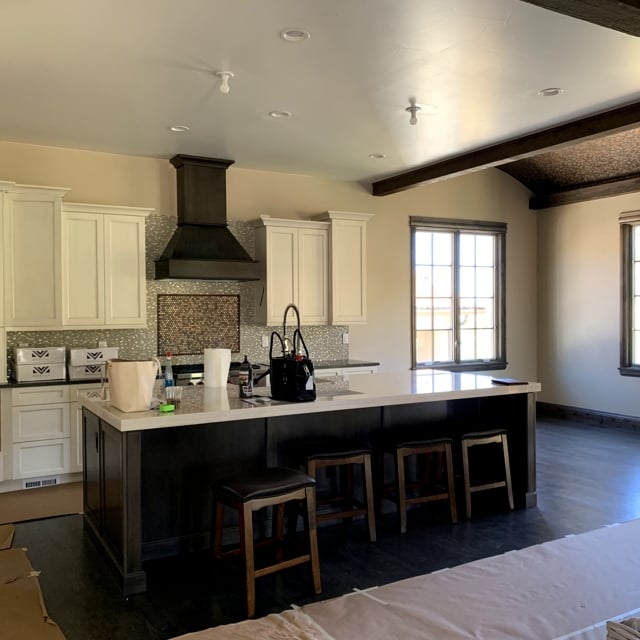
131 383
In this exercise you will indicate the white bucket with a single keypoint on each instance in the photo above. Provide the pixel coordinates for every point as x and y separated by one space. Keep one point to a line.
131 383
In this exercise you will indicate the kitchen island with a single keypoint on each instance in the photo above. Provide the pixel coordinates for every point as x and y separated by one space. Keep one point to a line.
147 475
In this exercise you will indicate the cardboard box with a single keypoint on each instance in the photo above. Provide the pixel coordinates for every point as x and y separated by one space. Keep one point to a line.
38 355
79 357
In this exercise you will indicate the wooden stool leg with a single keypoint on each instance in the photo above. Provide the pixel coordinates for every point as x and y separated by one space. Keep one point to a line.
401 486
313 538
348 490
217 529
278 530
246 549
368 488
450 483
507 470
467 483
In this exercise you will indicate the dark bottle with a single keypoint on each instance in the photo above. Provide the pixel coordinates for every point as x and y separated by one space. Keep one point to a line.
245 379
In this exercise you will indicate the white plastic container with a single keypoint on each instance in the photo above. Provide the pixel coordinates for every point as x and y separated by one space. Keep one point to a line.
79 357
39 355
41 371
86 372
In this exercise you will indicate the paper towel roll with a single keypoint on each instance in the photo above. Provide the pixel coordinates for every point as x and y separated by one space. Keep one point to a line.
216 367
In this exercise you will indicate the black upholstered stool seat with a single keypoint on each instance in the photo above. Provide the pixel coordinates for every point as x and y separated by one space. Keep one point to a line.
344 453
273 487
482 438
263 484
420 490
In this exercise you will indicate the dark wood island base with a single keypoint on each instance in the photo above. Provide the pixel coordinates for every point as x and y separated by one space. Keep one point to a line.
147 490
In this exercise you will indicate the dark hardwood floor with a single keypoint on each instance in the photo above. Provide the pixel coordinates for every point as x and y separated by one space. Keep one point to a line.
588 477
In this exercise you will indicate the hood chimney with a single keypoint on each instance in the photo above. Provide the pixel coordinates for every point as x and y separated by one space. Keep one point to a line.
202 247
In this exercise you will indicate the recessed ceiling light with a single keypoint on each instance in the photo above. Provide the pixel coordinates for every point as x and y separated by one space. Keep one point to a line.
294 35
279 114
377 156
549 92
179 128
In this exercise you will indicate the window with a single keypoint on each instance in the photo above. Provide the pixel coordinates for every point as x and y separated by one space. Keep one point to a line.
458 294
630 340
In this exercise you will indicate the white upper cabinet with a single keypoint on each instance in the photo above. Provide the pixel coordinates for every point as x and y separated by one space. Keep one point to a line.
348 266
32 256
293 256
103 271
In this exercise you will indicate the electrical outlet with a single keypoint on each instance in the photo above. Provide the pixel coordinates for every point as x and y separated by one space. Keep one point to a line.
265 341
102 343
345 338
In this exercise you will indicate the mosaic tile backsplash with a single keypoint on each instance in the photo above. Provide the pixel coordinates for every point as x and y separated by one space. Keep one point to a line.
324 342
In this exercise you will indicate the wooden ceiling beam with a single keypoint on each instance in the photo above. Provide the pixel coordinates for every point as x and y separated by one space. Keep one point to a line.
620 15
605 189
556 137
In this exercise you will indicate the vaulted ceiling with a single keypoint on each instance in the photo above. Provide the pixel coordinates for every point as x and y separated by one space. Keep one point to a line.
118 76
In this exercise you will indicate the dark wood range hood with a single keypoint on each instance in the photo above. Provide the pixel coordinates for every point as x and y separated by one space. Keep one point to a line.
202 247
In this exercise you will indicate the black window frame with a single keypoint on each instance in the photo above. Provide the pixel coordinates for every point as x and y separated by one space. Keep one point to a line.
628 220
499 230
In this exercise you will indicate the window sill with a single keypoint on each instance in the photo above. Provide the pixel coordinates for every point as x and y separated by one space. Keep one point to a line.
633 372
473 366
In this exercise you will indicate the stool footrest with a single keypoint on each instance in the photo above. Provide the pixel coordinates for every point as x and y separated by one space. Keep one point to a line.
490 485
285 564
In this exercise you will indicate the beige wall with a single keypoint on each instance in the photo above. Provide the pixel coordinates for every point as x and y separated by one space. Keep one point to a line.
490 195
579 307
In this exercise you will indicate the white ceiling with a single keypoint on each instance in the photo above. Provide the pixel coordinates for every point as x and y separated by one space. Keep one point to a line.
114 75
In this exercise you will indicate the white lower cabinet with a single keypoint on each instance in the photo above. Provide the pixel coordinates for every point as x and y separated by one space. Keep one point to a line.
40 431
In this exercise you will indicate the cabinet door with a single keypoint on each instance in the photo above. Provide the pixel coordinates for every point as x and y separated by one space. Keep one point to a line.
83 269
40 422
348 272
41 458
313 269
125 278
32 258
282 271
91 456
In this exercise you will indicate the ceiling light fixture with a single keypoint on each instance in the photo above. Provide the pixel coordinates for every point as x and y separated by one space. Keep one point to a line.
549 92
179 128
279 114
294 35
377 156
413 109
224 80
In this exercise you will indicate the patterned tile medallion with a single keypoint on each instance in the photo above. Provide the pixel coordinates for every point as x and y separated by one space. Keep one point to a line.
189 324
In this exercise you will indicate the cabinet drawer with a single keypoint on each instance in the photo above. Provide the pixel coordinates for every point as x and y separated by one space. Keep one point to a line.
49 457
40 422
39 395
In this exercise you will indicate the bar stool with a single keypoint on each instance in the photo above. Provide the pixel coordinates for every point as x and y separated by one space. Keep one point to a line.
342 453
248 493
480 438
402 449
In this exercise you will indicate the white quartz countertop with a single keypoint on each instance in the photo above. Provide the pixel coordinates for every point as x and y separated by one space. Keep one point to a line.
201 405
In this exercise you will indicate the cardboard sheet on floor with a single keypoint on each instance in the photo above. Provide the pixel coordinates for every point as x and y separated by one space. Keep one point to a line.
22 611
6 535
564 589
